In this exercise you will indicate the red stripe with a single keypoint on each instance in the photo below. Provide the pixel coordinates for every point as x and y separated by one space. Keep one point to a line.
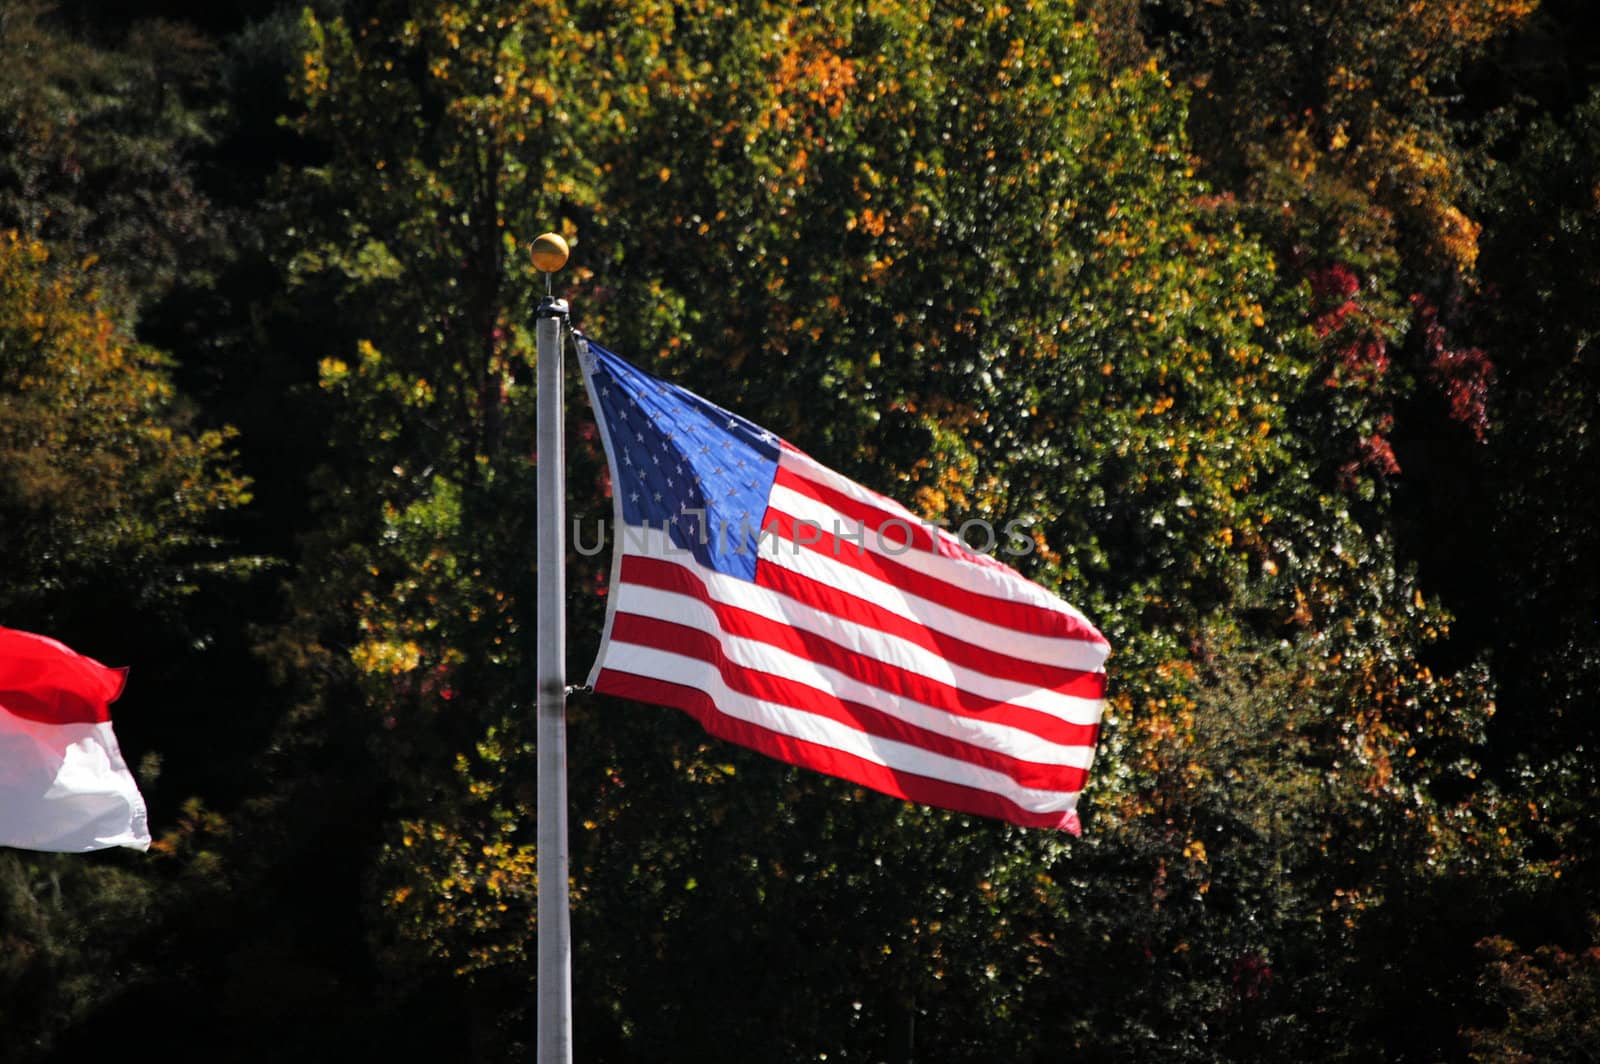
770 687
888 528
1007 613
869 670
1081 683
825 759
46 681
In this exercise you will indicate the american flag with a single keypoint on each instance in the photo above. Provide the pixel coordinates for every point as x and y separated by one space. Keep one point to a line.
791 610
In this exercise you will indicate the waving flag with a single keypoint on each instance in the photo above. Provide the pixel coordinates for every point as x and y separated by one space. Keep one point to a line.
793 611
63 783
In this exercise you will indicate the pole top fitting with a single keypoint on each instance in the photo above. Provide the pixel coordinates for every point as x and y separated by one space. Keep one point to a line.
551 307
549 252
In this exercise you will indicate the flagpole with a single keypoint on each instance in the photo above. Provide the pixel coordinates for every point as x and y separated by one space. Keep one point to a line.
554 973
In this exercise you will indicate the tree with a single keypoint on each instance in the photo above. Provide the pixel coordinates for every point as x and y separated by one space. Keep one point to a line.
1548 998
1544 522
987 258
99 154
102 484
108 504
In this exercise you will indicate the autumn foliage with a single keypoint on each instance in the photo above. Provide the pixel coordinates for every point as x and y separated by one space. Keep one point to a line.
1267 323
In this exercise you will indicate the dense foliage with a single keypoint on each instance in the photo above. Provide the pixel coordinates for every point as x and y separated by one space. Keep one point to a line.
1270 323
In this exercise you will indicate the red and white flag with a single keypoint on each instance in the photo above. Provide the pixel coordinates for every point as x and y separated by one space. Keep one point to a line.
63 784
791 610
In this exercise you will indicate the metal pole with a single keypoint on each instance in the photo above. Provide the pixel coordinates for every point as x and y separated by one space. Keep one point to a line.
555 926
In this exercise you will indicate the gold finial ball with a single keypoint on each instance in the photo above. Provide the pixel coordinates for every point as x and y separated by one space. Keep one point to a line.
550 252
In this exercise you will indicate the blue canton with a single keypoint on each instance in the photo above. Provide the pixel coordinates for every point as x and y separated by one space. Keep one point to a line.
683 464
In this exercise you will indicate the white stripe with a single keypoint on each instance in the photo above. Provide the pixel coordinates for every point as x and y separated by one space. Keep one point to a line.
1059 651
857 637
958 565
809 727
749 653
586 360
65 788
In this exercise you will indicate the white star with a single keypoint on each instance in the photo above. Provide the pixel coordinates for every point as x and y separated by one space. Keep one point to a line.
633 496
